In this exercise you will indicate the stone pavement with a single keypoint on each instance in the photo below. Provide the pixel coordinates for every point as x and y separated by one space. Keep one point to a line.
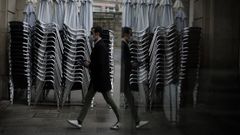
20 119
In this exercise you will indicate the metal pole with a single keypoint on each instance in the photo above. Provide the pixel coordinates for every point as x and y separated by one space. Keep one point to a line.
191 12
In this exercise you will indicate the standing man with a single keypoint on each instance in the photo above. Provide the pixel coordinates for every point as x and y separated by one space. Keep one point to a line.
126 66
99 67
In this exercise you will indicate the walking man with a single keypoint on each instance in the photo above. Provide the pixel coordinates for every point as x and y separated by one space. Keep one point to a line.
99 67
126 66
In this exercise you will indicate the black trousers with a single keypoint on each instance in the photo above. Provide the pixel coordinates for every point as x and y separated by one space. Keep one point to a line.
89 96
130 100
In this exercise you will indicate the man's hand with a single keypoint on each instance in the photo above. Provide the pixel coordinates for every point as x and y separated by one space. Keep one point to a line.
86 63
134 64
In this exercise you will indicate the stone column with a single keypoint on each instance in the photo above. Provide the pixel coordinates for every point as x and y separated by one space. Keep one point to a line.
3 42
191 12
7 13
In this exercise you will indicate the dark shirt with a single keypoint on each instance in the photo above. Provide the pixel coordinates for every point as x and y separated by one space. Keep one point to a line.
100 67
126 58
126 67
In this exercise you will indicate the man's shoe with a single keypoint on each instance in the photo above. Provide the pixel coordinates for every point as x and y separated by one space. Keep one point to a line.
75 123
115 126
141 124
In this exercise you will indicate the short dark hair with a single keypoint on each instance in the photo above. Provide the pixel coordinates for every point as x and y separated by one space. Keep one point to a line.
97 29
126 30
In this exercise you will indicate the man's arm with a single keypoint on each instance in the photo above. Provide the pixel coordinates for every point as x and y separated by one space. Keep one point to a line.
86 63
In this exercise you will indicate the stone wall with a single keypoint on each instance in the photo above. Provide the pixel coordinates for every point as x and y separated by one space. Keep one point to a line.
9 10
219 76
3 16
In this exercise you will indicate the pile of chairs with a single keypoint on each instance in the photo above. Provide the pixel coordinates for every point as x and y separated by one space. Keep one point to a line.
190 62
47 60
174 64
191 41
108 38
20 59
139 51
75 42
164 60
86 74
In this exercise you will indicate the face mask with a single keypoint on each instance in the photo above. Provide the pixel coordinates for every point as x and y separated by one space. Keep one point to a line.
131 39
95 39
91 37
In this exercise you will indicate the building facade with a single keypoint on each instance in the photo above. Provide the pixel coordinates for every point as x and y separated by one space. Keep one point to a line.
106 6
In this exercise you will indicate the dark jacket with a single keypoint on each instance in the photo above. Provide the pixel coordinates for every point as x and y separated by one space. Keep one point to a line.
126 67
100 67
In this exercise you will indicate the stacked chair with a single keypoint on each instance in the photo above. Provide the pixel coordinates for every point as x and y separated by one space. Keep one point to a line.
190 61
174 63
164 60
139 51
49 55
20 59
191 39
108 38
47 60
75 42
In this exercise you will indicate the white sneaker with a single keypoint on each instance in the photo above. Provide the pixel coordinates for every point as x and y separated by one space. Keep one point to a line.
141 124
75 123
115 126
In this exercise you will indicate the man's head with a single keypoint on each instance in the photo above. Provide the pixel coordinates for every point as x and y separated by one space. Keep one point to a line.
126 33
96 32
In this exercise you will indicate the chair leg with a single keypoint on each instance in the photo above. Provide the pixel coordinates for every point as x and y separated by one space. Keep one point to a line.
68 87
69 97
11 90
39 90
83 96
